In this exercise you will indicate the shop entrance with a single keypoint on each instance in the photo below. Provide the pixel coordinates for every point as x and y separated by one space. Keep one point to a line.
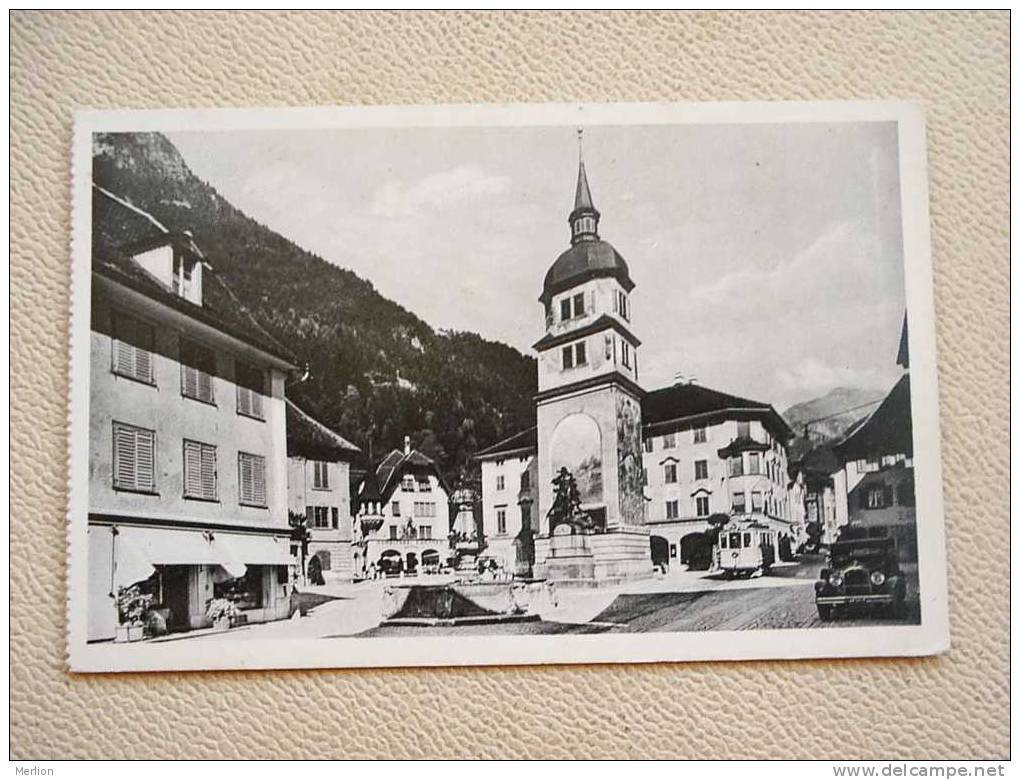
176 598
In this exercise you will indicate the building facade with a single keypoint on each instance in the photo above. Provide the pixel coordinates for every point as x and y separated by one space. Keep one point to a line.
509 506
402 524
319 490
813 493
876 480
710 457
187 435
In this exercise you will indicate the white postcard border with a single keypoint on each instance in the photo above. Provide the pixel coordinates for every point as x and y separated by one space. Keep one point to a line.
931 637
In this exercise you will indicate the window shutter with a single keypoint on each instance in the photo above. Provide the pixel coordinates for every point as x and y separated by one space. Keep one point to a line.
336 518
256 403
143 357
887 496
244 478
208 474
205 386
145 477
124 457
259 467
192 468
243 400
189 381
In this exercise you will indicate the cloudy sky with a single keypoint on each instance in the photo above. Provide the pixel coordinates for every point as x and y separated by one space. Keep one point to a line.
767 258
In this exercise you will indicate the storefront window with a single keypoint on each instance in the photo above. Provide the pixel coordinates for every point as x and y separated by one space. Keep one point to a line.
245 592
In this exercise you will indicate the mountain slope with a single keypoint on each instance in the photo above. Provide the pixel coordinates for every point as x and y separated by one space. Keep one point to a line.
378 372
840 408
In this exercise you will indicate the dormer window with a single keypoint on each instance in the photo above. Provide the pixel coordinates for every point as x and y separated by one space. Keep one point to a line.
182 275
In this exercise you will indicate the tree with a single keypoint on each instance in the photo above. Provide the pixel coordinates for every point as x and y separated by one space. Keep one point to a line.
300 534
814 532
566 506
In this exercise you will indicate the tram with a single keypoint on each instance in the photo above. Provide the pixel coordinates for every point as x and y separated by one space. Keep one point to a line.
746 548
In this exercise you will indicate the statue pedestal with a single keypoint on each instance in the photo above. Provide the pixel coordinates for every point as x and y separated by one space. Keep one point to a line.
594 560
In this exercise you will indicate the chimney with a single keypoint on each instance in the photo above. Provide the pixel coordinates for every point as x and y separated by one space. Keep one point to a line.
407 445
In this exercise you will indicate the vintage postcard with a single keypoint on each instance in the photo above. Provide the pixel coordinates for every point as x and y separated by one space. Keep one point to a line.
502 385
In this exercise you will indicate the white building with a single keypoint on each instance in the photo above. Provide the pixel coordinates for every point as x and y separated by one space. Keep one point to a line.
318 489
509 490
708 454
187 440
403 516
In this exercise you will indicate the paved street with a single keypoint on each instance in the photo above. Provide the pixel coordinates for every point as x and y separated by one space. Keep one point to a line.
679 601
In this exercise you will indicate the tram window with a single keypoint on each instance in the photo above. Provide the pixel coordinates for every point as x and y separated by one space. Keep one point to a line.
747 539
735 541
722 541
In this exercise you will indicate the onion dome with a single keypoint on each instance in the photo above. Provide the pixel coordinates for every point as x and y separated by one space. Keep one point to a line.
589 256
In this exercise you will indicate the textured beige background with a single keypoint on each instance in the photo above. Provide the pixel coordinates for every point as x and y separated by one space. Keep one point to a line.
957 64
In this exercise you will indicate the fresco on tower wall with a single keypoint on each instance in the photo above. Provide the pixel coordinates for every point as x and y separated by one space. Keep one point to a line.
628 454
577 446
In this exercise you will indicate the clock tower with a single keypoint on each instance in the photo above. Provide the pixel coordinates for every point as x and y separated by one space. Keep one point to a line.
589 408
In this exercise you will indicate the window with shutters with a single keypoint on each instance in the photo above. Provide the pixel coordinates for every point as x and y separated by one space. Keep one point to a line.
251 384
701 469
199 470
501 520
700 435
133 346
198 365
669 472
134 458
701 506
318 516
425 532
320 479
672 510
251 479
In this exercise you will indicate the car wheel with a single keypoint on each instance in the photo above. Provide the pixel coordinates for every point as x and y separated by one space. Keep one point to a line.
824 612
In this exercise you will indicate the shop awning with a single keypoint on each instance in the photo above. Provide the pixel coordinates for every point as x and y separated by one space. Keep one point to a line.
139 550
251 549
167 546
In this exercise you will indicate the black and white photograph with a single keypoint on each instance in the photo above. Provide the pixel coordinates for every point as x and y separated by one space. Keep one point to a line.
502 385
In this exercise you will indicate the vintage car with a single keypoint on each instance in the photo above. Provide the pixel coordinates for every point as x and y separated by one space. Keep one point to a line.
746 548
862 572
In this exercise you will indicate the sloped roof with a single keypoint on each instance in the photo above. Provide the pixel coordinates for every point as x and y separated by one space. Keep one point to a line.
118 227
887 431
582 194
525 441
392 468
680 402
308 438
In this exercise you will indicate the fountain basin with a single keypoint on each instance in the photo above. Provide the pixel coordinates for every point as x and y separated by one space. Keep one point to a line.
465 603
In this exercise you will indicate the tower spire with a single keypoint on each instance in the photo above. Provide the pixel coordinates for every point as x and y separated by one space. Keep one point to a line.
584 219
